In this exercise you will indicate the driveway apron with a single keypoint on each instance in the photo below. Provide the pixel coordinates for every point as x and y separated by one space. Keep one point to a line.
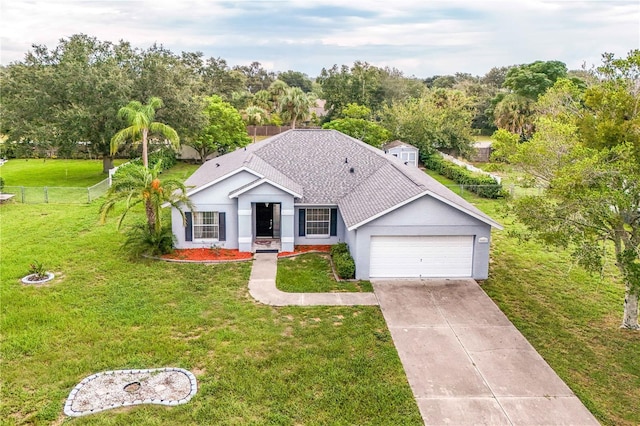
466 363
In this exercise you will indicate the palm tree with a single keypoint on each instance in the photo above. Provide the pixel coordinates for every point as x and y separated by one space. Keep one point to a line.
295 105
139 185
255 116
515 114
140 119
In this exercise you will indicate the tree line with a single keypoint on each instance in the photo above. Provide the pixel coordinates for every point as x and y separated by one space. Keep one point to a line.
71 93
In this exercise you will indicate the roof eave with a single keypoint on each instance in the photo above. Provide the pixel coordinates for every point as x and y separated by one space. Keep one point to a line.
481 218
238 192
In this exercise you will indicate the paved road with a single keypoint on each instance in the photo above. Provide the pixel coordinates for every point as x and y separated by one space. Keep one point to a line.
466 363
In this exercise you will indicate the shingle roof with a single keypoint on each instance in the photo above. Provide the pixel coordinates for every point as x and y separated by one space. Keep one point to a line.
396 143
330 168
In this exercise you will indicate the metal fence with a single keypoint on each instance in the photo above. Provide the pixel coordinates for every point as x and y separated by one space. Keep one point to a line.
56 195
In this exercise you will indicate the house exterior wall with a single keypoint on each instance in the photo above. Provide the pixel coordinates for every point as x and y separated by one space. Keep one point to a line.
214 198
265 193
424 216
312 241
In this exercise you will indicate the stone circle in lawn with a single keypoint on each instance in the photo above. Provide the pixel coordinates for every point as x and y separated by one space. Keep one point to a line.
124 388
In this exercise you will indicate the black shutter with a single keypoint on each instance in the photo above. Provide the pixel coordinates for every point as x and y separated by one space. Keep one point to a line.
333 225
222 229
188 228
301 222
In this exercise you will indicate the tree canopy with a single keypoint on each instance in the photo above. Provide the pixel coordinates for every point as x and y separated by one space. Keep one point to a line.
223 131
592 173
141 126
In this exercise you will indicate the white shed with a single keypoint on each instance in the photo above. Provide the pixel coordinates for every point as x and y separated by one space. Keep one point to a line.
405 152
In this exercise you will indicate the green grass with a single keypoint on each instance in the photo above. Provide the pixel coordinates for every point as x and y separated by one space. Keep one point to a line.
311 273
53 172
181 171
255 364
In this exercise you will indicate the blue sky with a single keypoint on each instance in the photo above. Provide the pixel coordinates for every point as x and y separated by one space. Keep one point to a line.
419 37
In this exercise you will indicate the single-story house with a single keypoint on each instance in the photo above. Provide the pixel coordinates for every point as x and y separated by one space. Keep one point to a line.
405 152
306 187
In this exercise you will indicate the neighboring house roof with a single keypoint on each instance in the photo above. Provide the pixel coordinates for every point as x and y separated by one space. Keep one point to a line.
318 108
326 167
397 143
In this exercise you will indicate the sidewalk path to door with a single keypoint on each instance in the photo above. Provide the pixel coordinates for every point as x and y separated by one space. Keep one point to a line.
262 287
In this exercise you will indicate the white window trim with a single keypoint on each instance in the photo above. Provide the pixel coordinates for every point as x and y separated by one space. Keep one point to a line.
215 225
306 223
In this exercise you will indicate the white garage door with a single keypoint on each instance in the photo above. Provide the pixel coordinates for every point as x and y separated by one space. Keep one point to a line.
421 256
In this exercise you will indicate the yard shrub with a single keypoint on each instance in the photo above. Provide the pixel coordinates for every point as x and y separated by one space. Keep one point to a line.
141 240
342 260
1 183
339 249
484 186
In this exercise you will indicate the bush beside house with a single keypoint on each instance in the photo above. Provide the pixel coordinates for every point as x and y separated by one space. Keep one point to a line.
343 262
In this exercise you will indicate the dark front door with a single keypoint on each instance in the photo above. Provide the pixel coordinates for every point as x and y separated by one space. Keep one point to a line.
264 220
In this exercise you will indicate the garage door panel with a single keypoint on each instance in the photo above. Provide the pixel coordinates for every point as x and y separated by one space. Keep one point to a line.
421 256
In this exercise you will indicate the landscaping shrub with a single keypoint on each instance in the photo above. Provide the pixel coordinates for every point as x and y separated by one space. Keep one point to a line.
141 240
342 260
339 249
1 183
484 186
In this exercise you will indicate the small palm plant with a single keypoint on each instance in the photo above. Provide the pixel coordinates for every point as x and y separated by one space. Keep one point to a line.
138 186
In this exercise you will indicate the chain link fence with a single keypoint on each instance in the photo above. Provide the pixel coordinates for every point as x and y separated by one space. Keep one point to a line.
55 195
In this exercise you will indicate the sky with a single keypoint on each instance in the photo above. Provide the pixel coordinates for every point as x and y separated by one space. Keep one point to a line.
422 38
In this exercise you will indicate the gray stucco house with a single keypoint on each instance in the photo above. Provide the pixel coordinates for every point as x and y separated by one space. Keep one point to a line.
324 187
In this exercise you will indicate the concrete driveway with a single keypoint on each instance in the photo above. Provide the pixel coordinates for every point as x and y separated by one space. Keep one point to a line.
466 363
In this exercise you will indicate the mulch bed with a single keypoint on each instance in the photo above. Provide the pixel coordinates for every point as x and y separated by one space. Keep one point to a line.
305 249
208 255
222 255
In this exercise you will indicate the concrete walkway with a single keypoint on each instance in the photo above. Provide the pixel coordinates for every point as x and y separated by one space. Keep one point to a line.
262 287
466 363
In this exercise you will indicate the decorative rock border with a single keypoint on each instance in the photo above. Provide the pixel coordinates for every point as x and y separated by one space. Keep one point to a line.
49 277
124 388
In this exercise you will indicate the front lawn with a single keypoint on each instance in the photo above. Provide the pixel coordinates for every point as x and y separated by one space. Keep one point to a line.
255 364
311 273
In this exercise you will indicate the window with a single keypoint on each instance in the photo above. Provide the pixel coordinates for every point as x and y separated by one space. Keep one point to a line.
206 226
409 157
318 221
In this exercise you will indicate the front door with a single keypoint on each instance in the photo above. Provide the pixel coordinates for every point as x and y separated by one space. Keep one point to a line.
264 220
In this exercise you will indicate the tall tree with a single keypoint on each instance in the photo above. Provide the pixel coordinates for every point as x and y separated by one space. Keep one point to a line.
439 119
295 105
68 94
515 114
296 79
532 80
224 129
592 172
255 116
257 77
140 119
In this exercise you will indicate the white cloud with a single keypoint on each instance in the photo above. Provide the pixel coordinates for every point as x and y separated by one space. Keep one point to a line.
417 36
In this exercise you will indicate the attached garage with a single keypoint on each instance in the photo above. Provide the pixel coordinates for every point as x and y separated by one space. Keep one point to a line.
421 256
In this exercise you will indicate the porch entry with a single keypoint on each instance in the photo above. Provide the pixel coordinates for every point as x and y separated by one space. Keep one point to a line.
267 220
